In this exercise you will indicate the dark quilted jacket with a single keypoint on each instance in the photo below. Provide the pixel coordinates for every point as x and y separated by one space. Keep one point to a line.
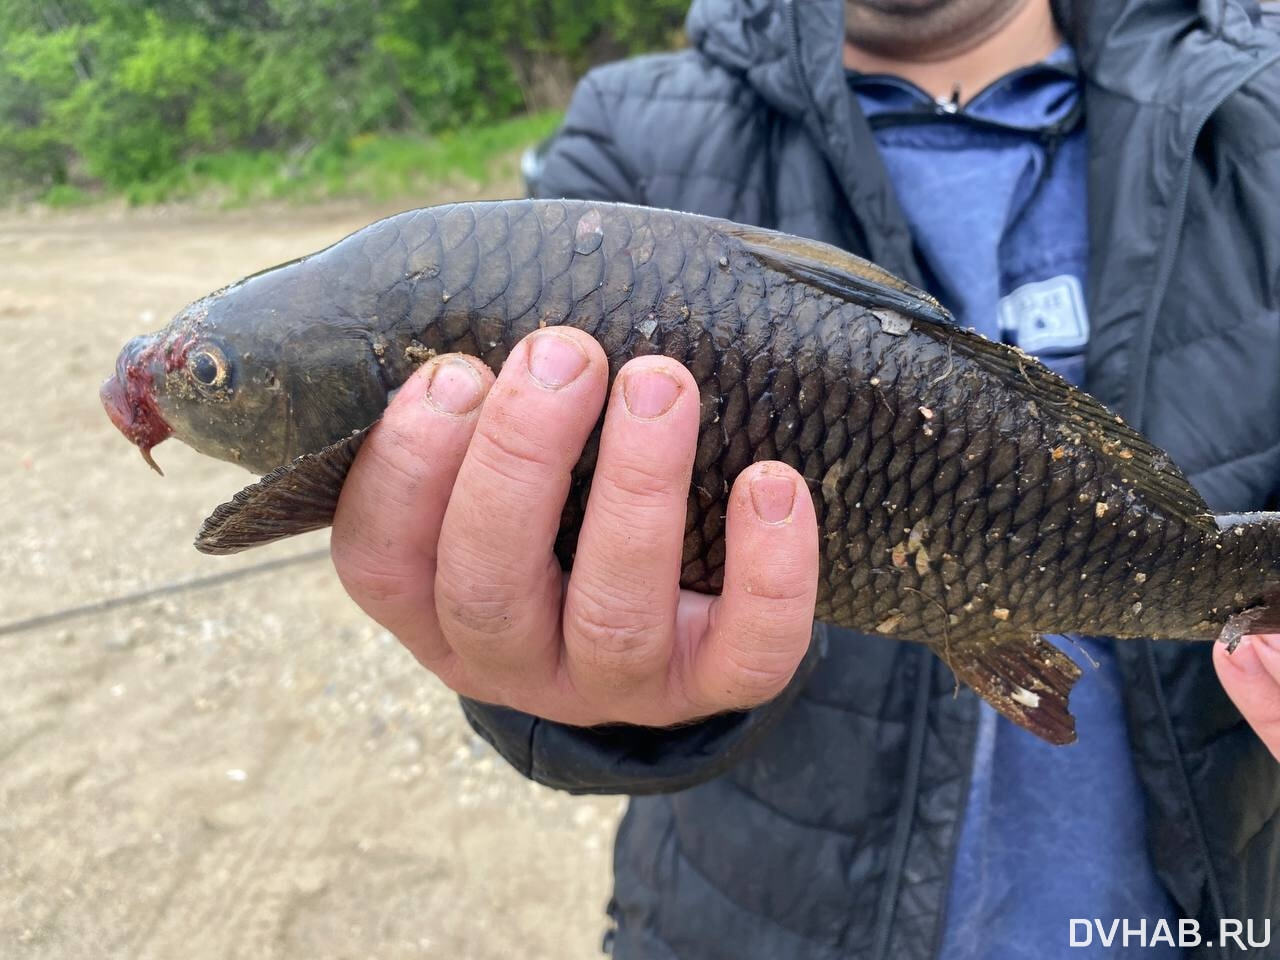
824 825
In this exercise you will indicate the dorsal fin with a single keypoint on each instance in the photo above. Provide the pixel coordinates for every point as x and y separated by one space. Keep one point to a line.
1147 468
838 272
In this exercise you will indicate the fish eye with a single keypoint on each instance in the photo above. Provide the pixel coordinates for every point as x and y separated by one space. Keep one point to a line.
208 367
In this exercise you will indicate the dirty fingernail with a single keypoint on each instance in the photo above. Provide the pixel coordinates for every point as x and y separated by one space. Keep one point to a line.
455 387
555 360
649 393
773 497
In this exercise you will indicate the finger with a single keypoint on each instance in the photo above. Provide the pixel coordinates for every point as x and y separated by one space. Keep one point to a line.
498 583
1251 677
758 630
387 524
619 612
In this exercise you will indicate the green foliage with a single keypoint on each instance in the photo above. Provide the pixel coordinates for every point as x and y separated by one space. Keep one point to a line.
65 195
151 99
376 166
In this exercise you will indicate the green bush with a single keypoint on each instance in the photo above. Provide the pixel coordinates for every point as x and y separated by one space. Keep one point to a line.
138 98
65 195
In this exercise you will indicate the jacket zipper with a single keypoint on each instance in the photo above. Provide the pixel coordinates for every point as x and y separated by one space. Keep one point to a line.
793 28
947 107
904 817
939 114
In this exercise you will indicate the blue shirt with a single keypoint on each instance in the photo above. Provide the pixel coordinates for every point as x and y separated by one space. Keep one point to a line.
995 195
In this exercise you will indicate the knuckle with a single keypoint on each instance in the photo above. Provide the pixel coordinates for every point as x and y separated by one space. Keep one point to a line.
481 600
754 658
388 474
630 482
474 620
481 605
504 448
392 460
780 594
614 635
751 683
371 578
636 529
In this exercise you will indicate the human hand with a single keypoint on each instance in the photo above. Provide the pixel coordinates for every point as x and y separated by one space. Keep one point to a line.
1251 677
446 525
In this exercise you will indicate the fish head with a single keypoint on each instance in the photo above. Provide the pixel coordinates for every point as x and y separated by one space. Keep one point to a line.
255 374
201 383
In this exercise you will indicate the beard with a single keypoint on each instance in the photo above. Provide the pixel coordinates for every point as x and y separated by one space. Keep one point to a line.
924 29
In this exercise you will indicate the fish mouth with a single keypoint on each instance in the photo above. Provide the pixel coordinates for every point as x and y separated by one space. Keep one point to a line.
129 399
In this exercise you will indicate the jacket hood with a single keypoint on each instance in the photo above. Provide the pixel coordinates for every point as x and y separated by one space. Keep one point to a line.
737 34
754 37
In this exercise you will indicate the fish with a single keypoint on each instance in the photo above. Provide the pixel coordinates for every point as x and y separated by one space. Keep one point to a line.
967 497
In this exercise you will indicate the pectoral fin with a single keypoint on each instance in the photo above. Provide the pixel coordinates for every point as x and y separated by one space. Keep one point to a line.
299 497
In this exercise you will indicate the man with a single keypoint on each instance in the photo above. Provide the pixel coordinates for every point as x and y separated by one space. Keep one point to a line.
1110 203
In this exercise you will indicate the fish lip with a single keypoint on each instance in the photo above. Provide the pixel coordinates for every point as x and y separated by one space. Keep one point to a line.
116 402
129 398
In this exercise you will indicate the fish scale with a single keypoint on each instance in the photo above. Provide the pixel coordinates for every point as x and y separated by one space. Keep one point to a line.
967 497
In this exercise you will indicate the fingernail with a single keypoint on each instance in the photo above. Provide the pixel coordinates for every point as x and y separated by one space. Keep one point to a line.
555 360
773 497
649 393
455 387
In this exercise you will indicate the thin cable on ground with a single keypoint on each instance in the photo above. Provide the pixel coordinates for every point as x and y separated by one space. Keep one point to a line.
166 589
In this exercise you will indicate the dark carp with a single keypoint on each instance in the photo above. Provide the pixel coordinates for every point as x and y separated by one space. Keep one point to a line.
968 498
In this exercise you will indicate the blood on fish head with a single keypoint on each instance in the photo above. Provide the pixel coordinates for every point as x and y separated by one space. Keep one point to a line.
177 383
255 374
129 398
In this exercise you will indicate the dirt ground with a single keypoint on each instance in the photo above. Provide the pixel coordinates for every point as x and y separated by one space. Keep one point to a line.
245 769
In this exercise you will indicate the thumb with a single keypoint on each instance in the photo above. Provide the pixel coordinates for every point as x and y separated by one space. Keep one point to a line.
1251 677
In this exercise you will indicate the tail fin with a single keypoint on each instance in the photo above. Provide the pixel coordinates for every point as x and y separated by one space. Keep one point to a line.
1257 547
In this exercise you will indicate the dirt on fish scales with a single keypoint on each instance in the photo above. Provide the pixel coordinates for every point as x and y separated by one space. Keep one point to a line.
968 497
